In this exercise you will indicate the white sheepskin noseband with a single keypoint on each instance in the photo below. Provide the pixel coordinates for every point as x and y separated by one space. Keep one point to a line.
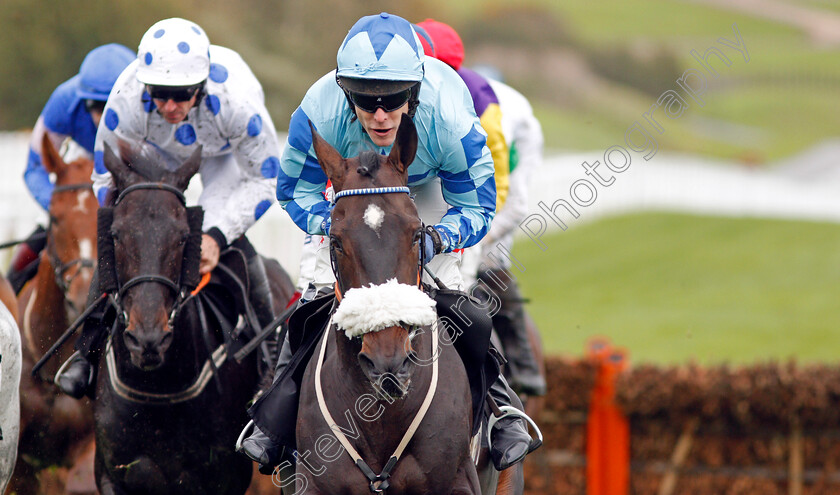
370 309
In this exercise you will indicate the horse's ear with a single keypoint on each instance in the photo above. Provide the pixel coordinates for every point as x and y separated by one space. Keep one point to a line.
120 172
405 145
187 169
49 155
331 161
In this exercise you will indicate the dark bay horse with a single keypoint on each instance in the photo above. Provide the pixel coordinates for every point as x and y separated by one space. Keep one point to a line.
56 428
168 406
399 404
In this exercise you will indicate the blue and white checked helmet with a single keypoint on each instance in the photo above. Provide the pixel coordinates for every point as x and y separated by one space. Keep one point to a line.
173 52
381 47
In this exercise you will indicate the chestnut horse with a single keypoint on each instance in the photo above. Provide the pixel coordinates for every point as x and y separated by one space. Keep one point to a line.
169 398
56 429
385 406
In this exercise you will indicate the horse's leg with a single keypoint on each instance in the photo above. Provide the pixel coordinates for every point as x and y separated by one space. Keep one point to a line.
511 481
466 480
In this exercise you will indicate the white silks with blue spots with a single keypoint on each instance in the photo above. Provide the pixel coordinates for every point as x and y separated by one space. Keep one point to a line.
240 150
173 52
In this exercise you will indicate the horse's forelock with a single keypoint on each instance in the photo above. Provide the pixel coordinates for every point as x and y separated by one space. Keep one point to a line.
147 168
368 163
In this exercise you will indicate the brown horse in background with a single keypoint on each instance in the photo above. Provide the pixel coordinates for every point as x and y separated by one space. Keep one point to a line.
56 429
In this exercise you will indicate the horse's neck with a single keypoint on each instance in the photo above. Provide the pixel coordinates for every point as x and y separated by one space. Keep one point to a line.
44 316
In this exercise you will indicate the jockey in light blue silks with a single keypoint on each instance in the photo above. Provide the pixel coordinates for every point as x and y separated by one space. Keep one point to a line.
381 75
72 112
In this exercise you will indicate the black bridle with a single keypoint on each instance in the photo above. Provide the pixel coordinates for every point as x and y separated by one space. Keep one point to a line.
61 268
181 292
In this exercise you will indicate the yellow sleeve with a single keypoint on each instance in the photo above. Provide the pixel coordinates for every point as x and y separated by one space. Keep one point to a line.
491 120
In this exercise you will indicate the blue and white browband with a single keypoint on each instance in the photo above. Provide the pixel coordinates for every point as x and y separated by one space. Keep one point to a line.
370 190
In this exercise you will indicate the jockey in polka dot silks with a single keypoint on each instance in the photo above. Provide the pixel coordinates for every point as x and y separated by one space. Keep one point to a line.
382 74
71 114
182 93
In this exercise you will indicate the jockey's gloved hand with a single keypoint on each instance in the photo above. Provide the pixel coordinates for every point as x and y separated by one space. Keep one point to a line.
436 241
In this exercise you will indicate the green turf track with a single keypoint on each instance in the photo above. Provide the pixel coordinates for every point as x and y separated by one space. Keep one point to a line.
675 288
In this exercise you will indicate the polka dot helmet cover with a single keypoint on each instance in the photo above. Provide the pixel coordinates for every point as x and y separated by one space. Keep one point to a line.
173 52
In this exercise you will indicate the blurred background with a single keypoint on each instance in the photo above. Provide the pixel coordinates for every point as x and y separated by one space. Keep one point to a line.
722 247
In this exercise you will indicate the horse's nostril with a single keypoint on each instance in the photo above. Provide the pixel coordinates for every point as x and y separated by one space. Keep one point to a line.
165 341
367 363
131 341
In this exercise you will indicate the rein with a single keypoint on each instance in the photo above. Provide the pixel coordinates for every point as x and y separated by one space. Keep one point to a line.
378 482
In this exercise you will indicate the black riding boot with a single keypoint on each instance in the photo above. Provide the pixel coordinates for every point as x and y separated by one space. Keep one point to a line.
509 322
75 377
510 441
258 446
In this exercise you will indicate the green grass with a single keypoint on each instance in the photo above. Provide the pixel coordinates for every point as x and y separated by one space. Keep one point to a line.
779 98
674 288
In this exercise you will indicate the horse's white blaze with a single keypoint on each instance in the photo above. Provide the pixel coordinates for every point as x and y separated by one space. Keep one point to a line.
374 217
370 309
85 249
10 361
81 197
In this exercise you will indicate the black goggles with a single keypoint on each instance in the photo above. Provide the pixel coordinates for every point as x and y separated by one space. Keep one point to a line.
389 103
94 106
174 93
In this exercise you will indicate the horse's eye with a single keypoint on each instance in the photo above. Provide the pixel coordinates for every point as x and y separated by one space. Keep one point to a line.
418 235
115 235
335 242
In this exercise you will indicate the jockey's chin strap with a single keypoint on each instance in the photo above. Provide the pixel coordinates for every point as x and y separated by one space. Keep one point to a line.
364 192
378 482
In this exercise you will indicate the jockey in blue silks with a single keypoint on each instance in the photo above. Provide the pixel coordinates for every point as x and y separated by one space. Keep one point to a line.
73 111
382 74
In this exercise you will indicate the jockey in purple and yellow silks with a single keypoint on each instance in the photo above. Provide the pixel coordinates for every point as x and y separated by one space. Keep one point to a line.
443 43
503 107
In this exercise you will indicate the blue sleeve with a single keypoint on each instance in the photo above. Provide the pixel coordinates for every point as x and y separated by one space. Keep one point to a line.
300 181
37 180
468 185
